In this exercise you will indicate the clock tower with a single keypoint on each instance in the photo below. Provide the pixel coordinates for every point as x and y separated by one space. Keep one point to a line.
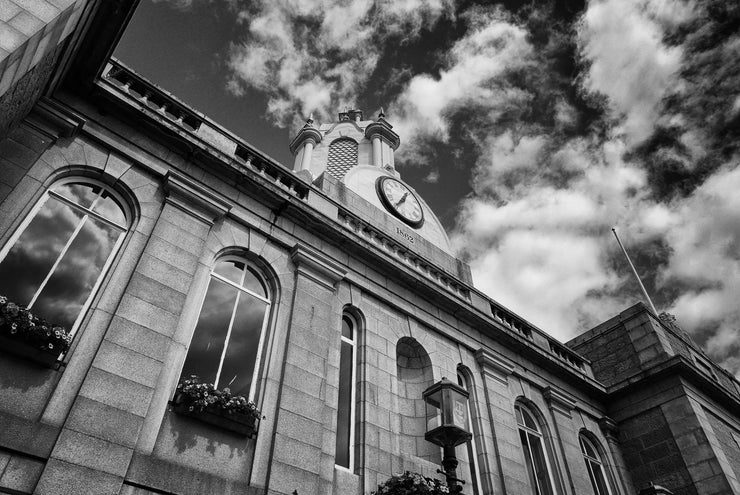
359 154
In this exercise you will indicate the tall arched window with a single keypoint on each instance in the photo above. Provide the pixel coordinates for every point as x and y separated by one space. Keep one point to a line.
226 345
594 465
346 401
469 450
57 258
342 157
535 455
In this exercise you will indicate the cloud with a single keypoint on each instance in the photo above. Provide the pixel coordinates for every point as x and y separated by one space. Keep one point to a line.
628 60
471 80
705 261
318 56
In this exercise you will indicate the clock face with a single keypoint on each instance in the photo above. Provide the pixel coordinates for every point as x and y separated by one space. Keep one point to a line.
400 200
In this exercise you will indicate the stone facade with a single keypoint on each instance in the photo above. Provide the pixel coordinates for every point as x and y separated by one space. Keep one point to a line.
102 419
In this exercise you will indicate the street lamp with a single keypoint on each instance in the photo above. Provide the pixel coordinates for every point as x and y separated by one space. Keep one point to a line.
451 402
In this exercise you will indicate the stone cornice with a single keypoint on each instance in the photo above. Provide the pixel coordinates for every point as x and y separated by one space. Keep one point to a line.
609 427
305 134
493 365
316 266
55 120
383 129
559 401
194 199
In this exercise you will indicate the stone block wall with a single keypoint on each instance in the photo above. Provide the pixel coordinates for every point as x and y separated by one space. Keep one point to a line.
30 34
651 453
728 436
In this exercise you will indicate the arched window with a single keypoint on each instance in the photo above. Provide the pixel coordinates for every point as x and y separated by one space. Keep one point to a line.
57 258
469 450
535 455
342 157
594 465
226 345
346 401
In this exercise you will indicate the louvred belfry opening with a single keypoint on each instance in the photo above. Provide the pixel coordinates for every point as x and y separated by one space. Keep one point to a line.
342 157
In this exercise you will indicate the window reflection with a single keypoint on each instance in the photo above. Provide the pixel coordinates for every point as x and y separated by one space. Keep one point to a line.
595 466
534 452
60 254
225 347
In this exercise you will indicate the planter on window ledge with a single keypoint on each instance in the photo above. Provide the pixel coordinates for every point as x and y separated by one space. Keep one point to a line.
215 407
30 337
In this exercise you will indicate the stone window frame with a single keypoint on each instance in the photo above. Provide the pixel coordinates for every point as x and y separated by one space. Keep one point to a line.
355 319
543 435
124 202
589 438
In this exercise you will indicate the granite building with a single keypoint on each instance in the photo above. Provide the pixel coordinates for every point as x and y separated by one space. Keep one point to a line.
160 246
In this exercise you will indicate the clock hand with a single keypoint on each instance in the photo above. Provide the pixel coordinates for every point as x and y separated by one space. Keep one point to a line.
403 198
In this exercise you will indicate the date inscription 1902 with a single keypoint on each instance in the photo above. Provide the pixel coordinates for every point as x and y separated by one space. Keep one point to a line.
405 235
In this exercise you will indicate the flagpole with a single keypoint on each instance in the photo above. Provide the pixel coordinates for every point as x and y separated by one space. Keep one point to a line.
644 292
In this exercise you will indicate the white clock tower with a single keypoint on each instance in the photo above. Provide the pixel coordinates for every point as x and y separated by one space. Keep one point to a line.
360 155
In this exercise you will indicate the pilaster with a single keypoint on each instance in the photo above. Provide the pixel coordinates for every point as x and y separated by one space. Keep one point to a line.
611 432
120 390
302 458
508 474
565 437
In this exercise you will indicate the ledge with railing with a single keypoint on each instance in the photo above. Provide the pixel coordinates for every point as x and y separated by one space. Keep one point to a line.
159 104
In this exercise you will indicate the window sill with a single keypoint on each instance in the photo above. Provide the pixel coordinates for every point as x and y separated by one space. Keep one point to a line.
26 351
241 423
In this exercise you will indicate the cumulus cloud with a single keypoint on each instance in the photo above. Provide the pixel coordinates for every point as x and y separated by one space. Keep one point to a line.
705 259
475 67
317 56
629 62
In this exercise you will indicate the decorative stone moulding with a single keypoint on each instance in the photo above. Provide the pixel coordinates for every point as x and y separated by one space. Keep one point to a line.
559 401
317 266
238 422
28 352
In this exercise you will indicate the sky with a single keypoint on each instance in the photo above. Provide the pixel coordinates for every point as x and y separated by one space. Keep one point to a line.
530 128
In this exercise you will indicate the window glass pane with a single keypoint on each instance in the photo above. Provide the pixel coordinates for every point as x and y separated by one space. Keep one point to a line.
109 208
518 411
81 194
204 354
528 462
345 405
230 270
529 421
254 283
241 350
69 287
588 449
540 465
597 479
346 328
36 250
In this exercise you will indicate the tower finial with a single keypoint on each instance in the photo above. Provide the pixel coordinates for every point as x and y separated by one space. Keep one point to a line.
381 115
310 119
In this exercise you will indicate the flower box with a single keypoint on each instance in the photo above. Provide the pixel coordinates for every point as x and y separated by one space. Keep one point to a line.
237 421
28 336
29 352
